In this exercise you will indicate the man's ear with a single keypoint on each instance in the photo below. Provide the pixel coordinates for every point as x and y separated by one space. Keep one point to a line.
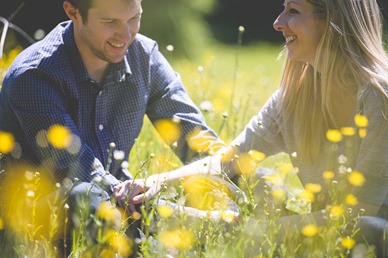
70 10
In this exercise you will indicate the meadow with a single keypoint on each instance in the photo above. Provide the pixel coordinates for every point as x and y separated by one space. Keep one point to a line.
230 84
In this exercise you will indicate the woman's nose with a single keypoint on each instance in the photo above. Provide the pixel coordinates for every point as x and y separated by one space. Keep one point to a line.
279 23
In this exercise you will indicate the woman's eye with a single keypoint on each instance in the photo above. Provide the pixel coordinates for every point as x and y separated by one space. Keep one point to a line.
292 10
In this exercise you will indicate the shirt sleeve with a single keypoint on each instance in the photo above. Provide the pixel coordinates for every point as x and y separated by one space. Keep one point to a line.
38 103
170 100
372 158
262 133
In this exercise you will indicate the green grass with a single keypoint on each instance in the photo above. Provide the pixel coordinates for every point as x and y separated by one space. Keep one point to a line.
236 81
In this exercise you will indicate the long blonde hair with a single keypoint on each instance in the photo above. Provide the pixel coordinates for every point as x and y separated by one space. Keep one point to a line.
350 55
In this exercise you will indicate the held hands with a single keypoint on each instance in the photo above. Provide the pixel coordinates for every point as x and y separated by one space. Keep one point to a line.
132 192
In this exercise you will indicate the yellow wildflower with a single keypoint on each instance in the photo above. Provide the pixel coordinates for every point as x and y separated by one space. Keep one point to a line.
136 215
361 120
362 132
336 211
278 193
246 165
348 131
7 142
107 253
181 239
328 175
59 136
257 155
310 230
108 212
308 196
168 129
273 179
334 135
351 200
121 244
228 217
314 188
356 178
348 243
165 211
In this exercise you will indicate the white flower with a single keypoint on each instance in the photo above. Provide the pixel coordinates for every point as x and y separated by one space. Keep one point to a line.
206 106
118 154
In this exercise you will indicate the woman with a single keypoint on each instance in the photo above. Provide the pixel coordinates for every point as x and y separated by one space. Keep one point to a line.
335 68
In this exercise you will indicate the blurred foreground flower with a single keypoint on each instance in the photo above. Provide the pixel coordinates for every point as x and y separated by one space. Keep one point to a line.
204 142
168 129
334 135
336 211
310 230
361 120
109 213
7 142
348 131
165 211
348 243
356 178
180 238
207 193
314 188
27 210
59 136
351 200
120 243
328 175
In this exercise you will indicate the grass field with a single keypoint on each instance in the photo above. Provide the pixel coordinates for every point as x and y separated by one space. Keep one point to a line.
230 84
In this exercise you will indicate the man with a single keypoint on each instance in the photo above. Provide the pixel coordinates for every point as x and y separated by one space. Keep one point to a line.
96 77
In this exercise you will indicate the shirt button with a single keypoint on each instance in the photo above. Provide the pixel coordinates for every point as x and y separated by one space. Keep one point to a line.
101 127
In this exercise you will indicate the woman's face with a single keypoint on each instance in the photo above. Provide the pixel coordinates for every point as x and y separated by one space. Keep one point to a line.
301 30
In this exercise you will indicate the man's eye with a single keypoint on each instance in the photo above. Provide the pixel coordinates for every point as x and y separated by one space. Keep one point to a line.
292 10
136 18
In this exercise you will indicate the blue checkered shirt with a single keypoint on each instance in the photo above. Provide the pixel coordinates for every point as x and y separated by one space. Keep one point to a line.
48 84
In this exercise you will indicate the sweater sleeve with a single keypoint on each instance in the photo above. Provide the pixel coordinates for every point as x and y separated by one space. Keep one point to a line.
372 157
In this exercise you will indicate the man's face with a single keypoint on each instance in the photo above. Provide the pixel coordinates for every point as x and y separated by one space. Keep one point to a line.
109 30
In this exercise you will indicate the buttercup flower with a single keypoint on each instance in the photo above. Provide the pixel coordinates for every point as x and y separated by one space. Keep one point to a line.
59 136
361 120
334 135
328 175
351 200
348 131
356 178
348 243
7 142
310 230
165 211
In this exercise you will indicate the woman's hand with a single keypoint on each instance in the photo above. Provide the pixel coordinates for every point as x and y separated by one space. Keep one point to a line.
132 192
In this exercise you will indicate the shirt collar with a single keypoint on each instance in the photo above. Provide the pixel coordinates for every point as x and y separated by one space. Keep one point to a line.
118 72
81 74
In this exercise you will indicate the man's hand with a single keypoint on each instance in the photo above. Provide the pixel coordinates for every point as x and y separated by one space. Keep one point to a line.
132 192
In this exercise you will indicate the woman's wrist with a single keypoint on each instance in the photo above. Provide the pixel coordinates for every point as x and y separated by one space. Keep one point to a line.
155 179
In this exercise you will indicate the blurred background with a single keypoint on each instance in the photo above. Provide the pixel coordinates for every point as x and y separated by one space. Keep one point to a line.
188 25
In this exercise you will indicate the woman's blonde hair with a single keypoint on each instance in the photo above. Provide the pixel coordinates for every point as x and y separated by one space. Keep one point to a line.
350 55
